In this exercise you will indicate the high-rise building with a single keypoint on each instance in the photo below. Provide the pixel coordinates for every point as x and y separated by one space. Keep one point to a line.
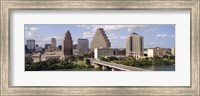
67 46
83 46
53 43
100 40
135 45
31 45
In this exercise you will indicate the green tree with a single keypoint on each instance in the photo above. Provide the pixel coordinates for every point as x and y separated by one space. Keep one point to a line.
104 59
80 57
112 58
172 57
165 56
87 61
28 60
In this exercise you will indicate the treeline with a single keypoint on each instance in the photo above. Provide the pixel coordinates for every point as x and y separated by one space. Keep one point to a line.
131 61
57 64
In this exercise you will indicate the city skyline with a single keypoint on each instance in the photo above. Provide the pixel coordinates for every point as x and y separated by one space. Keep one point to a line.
156 35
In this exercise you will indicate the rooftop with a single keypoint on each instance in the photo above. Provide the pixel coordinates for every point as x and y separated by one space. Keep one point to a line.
134 33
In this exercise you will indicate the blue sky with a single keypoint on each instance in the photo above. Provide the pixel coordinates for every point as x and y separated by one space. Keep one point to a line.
155 35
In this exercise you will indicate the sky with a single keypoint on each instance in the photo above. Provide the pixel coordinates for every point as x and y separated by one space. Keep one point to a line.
155 35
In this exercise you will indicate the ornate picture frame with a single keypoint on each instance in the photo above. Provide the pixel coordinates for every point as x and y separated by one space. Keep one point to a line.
8 5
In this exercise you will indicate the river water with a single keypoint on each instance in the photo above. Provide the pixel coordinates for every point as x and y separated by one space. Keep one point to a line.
159 67
151 68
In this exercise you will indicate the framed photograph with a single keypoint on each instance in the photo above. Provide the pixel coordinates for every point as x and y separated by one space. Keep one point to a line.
112 47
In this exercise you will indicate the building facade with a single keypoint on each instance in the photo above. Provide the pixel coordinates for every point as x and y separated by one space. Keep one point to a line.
83 46
38 49
103 52
47 46
36 57
100 40
120 51
173 51
152 52
67 46
53 43
31 45
135 45
52 55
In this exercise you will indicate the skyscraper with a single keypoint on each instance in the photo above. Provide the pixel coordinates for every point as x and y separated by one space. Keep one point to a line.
31 45
100 40
83 46
134 45
53 43
67 46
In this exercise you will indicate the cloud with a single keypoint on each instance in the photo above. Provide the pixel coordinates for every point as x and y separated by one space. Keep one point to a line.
165 36
88 34
129 30
25 28
84 26
161 35
171 36
112 35
34 28
30 32
123 37
112 28
151 43
151 30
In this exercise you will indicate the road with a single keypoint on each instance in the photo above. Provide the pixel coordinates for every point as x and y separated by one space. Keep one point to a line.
117 66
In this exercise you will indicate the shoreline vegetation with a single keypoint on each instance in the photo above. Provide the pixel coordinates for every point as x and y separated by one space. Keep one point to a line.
76 63
131 61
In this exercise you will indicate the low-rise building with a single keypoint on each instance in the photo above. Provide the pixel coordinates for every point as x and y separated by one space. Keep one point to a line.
119 51
36 57
50 55
103 52
173 51
38 49
152 52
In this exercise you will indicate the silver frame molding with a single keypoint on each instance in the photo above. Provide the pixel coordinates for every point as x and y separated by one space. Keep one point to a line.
8 5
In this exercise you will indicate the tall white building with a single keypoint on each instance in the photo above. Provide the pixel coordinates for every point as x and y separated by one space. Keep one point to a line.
31 45
83 46
135 45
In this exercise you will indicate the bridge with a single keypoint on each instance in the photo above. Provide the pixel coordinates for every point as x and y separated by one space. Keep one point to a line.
114 67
